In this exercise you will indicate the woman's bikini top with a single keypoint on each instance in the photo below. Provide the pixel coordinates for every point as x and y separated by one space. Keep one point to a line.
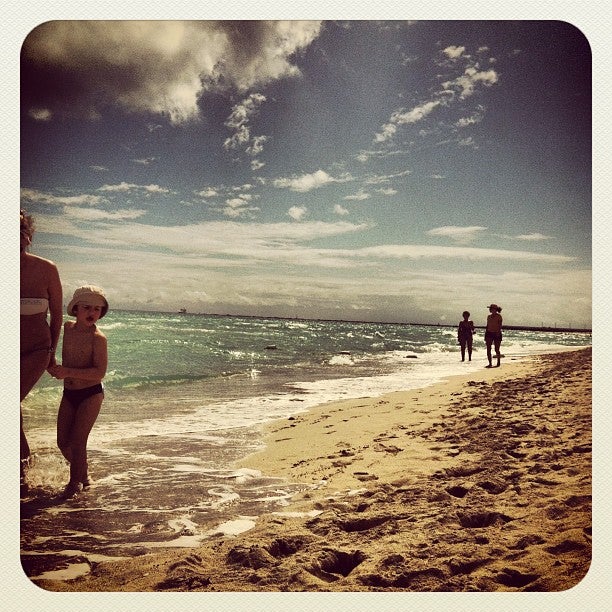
33 306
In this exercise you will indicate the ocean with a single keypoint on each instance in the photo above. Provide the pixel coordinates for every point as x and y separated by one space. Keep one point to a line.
185 398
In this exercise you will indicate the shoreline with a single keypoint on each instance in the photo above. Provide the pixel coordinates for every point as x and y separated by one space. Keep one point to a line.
479 483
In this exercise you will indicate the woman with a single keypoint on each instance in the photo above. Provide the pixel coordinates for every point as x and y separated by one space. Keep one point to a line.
40 292
493 333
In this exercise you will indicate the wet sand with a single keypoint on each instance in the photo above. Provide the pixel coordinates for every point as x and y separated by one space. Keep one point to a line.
481 483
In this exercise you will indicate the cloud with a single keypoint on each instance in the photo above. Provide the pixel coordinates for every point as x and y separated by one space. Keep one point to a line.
458 234
126 187
416 114
284 269
297 212
306 182
95 214
340 210
277 242
365 155
239 122
403 117
239 206
389 191
359 196
467 142
153 67
465 84
208 192
40 114
256 145
533 237
221 243
458 253
120 187
385 178
445 94
473 119
155 189
453 52
32 195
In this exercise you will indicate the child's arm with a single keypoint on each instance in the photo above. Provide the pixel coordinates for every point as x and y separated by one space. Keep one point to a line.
93 373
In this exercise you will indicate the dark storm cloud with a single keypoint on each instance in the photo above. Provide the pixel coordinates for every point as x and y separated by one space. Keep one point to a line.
157 67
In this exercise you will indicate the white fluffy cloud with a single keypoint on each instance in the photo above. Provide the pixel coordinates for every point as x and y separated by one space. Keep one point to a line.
469 77
239 121
466 84
340 210
403 117
297 212
453 52
239 206
306 182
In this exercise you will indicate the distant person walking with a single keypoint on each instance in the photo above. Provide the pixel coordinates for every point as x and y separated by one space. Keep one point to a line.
84 363
493 333
465 332
40 291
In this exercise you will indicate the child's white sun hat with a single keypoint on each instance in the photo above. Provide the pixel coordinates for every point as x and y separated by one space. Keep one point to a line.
88 294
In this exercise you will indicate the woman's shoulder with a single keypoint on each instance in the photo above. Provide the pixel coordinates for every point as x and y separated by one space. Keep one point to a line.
38 259
40 263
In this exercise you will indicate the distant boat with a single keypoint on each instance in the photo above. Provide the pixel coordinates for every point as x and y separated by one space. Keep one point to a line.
182 311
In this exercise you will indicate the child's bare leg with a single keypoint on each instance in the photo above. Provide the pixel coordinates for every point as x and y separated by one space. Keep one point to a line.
84 419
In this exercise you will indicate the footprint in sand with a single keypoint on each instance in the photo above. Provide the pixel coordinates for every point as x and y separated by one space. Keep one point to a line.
187 574
332 565
513 578
495 487
364 476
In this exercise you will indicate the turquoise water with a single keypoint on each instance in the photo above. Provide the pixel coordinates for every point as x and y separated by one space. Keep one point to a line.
185 396
150 350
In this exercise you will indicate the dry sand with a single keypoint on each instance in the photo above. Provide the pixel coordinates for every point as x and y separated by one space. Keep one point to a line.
480 483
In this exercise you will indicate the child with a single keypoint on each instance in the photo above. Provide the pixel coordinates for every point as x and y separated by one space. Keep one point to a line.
84 361
493 333
464 335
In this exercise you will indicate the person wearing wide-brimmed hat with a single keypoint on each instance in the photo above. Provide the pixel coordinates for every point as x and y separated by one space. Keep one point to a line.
493 333
84 362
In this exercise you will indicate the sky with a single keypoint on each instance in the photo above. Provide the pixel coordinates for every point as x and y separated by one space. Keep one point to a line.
393 171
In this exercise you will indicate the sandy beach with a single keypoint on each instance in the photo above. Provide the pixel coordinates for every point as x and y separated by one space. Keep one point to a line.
480 483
